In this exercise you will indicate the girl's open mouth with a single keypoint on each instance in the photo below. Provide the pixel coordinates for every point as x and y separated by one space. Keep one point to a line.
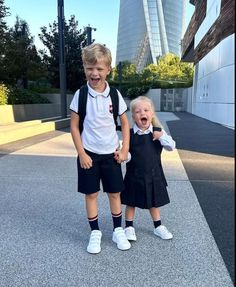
144 121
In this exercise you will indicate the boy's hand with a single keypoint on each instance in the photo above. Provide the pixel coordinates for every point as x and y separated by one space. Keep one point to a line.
85 161
157 135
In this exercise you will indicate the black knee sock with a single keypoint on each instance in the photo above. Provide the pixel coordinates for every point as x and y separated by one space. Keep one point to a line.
117 218
93 222
157 223
128 223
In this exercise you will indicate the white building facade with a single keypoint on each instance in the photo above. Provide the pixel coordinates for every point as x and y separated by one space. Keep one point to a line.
214 84
213 95
213 52
149 29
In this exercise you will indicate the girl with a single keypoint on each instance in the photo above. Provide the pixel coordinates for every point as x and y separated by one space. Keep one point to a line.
145 183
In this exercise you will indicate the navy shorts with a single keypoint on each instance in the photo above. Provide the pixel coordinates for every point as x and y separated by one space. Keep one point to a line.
105 169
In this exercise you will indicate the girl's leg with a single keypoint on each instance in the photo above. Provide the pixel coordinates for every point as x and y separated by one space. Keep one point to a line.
129 215
159 229
155 213
129 218
92 210
156 216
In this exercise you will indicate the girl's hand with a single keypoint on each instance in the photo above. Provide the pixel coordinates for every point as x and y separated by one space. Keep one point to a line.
85 161
157 135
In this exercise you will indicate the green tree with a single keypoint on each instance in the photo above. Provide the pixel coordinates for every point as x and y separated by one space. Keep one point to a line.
3 36
170 67
149 74
3 13
74 41
21 61
129 72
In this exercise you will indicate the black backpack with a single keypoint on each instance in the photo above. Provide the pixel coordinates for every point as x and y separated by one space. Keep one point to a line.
83 95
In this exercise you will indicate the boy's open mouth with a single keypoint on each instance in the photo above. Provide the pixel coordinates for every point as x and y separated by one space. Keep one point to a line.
95 80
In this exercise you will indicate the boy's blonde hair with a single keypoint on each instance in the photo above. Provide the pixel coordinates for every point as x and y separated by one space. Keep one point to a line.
94 52
134 102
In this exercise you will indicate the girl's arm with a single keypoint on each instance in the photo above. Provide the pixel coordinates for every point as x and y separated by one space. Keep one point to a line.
166 140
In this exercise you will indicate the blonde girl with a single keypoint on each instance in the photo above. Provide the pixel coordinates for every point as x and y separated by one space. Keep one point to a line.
145 182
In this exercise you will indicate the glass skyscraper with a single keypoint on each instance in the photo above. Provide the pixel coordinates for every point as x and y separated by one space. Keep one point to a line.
149 29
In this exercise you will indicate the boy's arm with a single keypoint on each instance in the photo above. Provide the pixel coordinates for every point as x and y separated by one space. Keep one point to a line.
125 129
122 154
85 160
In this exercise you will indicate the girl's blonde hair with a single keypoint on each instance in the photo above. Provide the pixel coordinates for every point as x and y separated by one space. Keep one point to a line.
134 102
94 52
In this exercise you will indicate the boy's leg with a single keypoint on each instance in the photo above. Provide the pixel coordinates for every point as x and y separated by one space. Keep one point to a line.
94 245
89 184
91 204
112 181
115 207
118 234
92 210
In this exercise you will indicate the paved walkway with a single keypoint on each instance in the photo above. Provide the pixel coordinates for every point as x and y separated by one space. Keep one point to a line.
44 231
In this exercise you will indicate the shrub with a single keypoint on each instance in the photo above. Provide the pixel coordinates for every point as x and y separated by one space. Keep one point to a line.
3 94
137 91
22 96
44 90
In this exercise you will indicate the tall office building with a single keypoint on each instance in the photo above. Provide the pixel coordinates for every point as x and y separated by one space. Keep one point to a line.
149 29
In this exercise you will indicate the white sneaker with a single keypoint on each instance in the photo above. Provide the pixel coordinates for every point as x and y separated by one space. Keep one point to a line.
94 245
130 233
163 232
120 239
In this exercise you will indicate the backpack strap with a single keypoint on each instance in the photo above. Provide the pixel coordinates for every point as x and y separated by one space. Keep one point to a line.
115 106
83 95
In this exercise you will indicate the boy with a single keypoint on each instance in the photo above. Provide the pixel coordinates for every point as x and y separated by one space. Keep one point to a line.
97 145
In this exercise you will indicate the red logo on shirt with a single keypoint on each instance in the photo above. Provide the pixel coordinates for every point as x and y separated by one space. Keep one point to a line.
111 109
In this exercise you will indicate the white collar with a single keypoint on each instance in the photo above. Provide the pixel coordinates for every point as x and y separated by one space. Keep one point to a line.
140 132
94 94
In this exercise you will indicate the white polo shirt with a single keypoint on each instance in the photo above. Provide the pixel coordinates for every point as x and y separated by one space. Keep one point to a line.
99 132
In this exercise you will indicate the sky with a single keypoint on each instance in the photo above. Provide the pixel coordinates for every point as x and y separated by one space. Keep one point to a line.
102 15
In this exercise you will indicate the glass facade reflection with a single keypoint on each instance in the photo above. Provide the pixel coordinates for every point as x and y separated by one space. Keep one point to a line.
149 29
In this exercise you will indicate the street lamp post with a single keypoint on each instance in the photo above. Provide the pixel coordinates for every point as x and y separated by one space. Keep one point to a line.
21 30
88 31
62 66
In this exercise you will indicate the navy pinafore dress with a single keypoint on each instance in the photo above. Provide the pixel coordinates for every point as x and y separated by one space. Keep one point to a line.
145 182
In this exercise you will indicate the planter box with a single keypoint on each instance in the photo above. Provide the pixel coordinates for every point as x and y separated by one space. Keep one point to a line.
20 113
178 109
6 114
